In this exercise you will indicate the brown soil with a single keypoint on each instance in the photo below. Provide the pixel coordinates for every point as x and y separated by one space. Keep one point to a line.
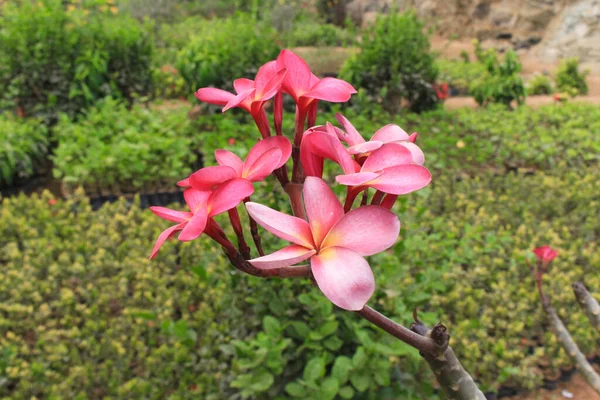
577 386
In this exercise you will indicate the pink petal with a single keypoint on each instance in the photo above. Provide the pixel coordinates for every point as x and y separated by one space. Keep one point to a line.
366 147
243 99
184 183
413 137
194 227
167 233
402 179
357 179
418 157
331 89
271 87
265 74
285 257
214 96
196 199
226 158
388 155
327 146
290 228
267 144
352 136
262 166
390 133
322 207
208 177
243 85
171 215
366 230
298 77
228 195
344 277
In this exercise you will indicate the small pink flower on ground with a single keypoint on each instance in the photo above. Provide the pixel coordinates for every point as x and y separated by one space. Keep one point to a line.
545 254
387 134
203 205
335 243
264 158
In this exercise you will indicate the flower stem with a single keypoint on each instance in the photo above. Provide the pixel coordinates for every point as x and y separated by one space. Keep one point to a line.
377 197
351 194
236 223
294 191
254 232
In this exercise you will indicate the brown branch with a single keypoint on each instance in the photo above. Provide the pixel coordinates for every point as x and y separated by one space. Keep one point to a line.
454 380
589 304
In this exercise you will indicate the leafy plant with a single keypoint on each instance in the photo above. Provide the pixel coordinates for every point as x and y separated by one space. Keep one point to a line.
569 79
311 33
395 63
56 58
112 146
459 74
539 84
24 148
222 50
502 84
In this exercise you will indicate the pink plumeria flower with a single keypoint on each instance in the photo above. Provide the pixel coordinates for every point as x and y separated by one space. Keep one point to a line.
203 205
251 95
306 88
545 254
389 169
335 243
322 142
387 134
265 157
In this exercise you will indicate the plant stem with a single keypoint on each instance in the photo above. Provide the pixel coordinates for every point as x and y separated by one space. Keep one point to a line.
589 304
236 223
377 197
454 380
254 232
240 263
294 191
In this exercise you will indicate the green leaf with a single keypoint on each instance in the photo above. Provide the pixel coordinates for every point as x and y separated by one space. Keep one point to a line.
347 392
341 369
360 381
329 388
314 369
328 328
360 357
333 343
271 326
200 272
295 389
262 381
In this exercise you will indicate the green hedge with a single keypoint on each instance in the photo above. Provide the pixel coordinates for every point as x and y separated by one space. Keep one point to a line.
114 147
24 148
54 59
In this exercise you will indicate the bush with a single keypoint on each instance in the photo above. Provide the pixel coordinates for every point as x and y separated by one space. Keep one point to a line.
55 59
569 79
309 33
460 74
223 50
395 63
24 148
502 84
113 147
539 84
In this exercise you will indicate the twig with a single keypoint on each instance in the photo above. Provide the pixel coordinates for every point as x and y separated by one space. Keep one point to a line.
589 304
454 380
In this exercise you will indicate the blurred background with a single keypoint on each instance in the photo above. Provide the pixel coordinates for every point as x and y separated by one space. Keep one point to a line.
98 121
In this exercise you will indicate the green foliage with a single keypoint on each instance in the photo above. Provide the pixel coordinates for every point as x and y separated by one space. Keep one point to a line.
569 79
59 59
502 84
311 33
112 146
460 74
224 50
539 84
395 63
24 148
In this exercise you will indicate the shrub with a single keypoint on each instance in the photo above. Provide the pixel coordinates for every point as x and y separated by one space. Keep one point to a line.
460 74
395 63
310 33
113 147
502 84
539 84
24 148
569 79
223 49
55 59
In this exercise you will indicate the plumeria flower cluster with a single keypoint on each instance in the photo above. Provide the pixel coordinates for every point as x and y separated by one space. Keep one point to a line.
332 237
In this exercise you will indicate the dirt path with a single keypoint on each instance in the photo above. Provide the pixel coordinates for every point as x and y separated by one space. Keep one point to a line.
533 101
577 386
